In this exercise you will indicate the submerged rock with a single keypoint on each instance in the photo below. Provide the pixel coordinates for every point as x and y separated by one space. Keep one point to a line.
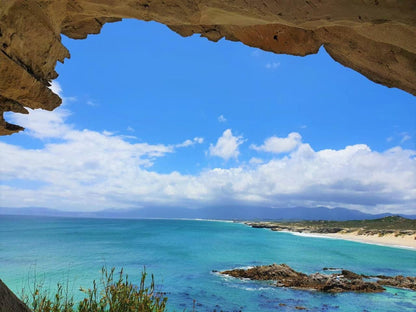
285 276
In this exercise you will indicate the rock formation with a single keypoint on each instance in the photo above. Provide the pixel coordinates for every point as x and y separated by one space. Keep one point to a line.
9 302
373 37
284 276
399 281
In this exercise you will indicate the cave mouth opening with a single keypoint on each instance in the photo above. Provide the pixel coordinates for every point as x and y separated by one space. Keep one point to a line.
197 121
144 64
372 39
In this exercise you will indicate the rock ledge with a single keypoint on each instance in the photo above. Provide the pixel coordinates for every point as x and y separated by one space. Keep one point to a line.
346 281
375 38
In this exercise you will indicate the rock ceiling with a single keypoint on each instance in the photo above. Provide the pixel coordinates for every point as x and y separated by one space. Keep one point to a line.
374 37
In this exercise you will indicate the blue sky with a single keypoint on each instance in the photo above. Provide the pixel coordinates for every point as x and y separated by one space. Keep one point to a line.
185 121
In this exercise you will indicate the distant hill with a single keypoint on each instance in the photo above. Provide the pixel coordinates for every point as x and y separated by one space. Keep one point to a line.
38 211
386 223
248 213
219 213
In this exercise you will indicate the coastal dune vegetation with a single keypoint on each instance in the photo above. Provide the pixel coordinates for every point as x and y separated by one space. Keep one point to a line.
113 293
389 231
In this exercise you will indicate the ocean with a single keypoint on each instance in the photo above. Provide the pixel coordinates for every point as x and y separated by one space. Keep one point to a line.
182 255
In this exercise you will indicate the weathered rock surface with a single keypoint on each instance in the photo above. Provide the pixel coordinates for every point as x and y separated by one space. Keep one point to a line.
9 302
374 37
346 281
399 281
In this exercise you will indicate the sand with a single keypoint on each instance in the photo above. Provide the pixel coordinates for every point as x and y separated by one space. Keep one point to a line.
404 241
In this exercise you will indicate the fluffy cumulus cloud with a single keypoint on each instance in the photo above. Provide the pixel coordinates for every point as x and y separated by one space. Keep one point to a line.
279 145
43 124
88 170
227 146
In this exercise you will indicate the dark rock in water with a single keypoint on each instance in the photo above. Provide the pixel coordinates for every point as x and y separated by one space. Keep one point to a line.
265 273
351 275
9 302
398 281
332 269
285 276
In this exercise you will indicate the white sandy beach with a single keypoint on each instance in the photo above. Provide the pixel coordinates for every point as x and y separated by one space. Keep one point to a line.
404 241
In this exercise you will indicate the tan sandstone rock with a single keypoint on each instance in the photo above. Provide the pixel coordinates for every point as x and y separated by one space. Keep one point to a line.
373 37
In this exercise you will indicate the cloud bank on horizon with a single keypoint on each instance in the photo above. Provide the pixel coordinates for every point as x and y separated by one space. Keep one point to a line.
86 170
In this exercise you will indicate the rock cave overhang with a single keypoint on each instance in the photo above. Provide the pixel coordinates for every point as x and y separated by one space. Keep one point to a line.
376 38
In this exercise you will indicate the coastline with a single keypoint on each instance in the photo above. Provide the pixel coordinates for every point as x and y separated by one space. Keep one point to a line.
391 231
388 240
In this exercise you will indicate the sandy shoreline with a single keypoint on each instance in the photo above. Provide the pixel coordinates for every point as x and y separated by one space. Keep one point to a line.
405 241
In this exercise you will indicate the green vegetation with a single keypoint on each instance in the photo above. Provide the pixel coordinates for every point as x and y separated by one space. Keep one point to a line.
115 294
396 225
388 223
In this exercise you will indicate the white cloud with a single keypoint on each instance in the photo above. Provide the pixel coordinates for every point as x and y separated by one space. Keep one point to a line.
107 133
221 118
92 171
56 87
256 52
88 170
43 124
82 170
405 137
226 146
272 65
186 143
255 161
279 145
91 103
400 137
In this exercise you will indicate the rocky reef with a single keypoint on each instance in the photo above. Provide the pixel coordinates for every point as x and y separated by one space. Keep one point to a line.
346 281
373 37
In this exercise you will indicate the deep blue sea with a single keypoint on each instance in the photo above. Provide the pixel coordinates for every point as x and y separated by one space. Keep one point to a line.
182 255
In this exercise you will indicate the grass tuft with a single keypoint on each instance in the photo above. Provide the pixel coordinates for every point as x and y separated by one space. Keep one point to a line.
115 293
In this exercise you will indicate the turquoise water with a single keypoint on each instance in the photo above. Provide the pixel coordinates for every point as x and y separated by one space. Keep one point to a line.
182 255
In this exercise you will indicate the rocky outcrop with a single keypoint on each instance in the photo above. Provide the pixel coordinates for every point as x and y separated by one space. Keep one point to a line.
399 281
345 281
9 302
373 37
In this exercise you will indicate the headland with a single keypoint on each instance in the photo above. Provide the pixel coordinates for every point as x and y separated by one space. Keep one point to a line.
394 231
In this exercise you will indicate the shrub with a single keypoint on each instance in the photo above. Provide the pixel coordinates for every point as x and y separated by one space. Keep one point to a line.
115 294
